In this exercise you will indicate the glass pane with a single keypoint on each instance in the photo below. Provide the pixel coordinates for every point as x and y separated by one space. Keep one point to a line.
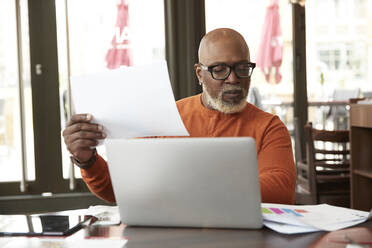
247 17
339 58
10 121
91 35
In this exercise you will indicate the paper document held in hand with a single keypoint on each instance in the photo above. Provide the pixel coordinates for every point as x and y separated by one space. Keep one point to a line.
130 102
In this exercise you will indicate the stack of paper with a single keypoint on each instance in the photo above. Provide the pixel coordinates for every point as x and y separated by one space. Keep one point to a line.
291 219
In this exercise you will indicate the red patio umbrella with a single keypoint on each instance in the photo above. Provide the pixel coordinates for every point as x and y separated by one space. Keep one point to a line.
120 52
269 57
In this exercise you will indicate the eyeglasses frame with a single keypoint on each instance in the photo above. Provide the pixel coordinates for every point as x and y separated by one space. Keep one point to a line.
232 67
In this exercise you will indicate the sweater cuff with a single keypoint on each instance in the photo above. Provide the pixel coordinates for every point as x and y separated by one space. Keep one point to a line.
97 168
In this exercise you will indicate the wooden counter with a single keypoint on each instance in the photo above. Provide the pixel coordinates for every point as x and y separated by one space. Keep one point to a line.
361 156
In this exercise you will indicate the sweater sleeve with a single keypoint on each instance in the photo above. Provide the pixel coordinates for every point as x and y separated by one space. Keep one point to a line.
277 171
98 180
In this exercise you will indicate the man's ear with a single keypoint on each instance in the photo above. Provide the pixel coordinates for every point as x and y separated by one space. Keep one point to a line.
198 72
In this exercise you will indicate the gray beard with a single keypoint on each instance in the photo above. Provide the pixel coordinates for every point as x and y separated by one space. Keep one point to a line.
225 107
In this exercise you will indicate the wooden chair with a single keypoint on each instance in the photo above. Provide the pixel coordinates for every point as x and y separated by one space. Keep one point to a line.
340 114
324 176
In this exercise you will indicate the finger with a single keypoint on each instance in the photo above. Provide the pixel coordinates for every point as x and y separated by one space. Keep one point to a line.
83 127
84 135
80 118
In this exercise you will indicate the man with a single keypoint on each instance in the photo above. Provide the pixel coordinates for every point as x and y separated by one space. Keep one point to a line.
224 71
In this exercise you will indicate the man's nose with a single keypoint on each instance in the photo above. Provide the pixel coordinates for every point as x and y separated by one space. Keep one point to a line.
232 78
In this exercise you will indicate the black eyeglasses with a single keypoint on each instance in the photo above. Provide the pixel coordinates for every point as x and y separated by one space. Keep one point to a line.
222 71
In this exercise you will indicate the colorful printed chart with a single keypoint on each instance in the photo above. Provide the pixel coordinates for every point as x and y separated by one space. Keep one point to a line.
295 212
310 218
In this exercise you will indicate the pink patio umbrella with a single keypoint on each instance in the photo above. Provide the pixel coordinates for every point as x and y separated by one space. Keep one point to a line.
269 57
120 52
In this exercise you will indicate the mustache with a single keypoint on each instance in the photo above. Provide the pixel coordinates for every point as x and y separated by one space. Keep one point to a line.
228 87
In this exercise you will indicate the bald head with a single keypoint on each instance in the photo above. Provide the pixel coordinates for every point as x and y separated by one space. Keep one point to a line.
221 51
224 39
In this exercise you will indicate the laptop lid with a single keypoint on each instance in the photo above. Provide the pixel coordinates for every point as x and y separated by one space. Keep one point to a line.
190 182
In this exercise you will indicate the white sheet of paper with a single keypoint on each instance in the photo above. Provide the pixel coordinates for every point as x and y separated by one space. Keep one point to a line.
107 215
130 102
288 228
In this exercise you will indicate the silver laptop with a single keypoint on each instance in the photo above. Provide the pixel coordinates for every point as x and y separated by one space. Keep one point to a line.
188 182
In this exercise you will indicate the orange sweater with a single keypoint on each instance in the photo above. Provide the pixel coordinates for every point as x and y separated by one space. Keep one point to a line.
275 159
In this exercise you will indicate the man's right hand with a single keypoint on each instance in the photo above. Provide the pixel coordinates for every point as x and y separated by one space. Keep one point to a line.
80 136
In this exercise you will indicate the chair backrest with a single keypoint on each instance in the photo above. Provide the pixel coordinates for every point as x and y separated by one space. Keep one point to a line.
345 94
367 94
327 153
254 97
339 114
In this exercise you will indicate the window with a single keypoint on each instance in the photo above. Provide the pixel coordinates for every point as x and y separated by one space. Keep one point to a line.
16 121
338 50
89 38
33 94
34 80
247 17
